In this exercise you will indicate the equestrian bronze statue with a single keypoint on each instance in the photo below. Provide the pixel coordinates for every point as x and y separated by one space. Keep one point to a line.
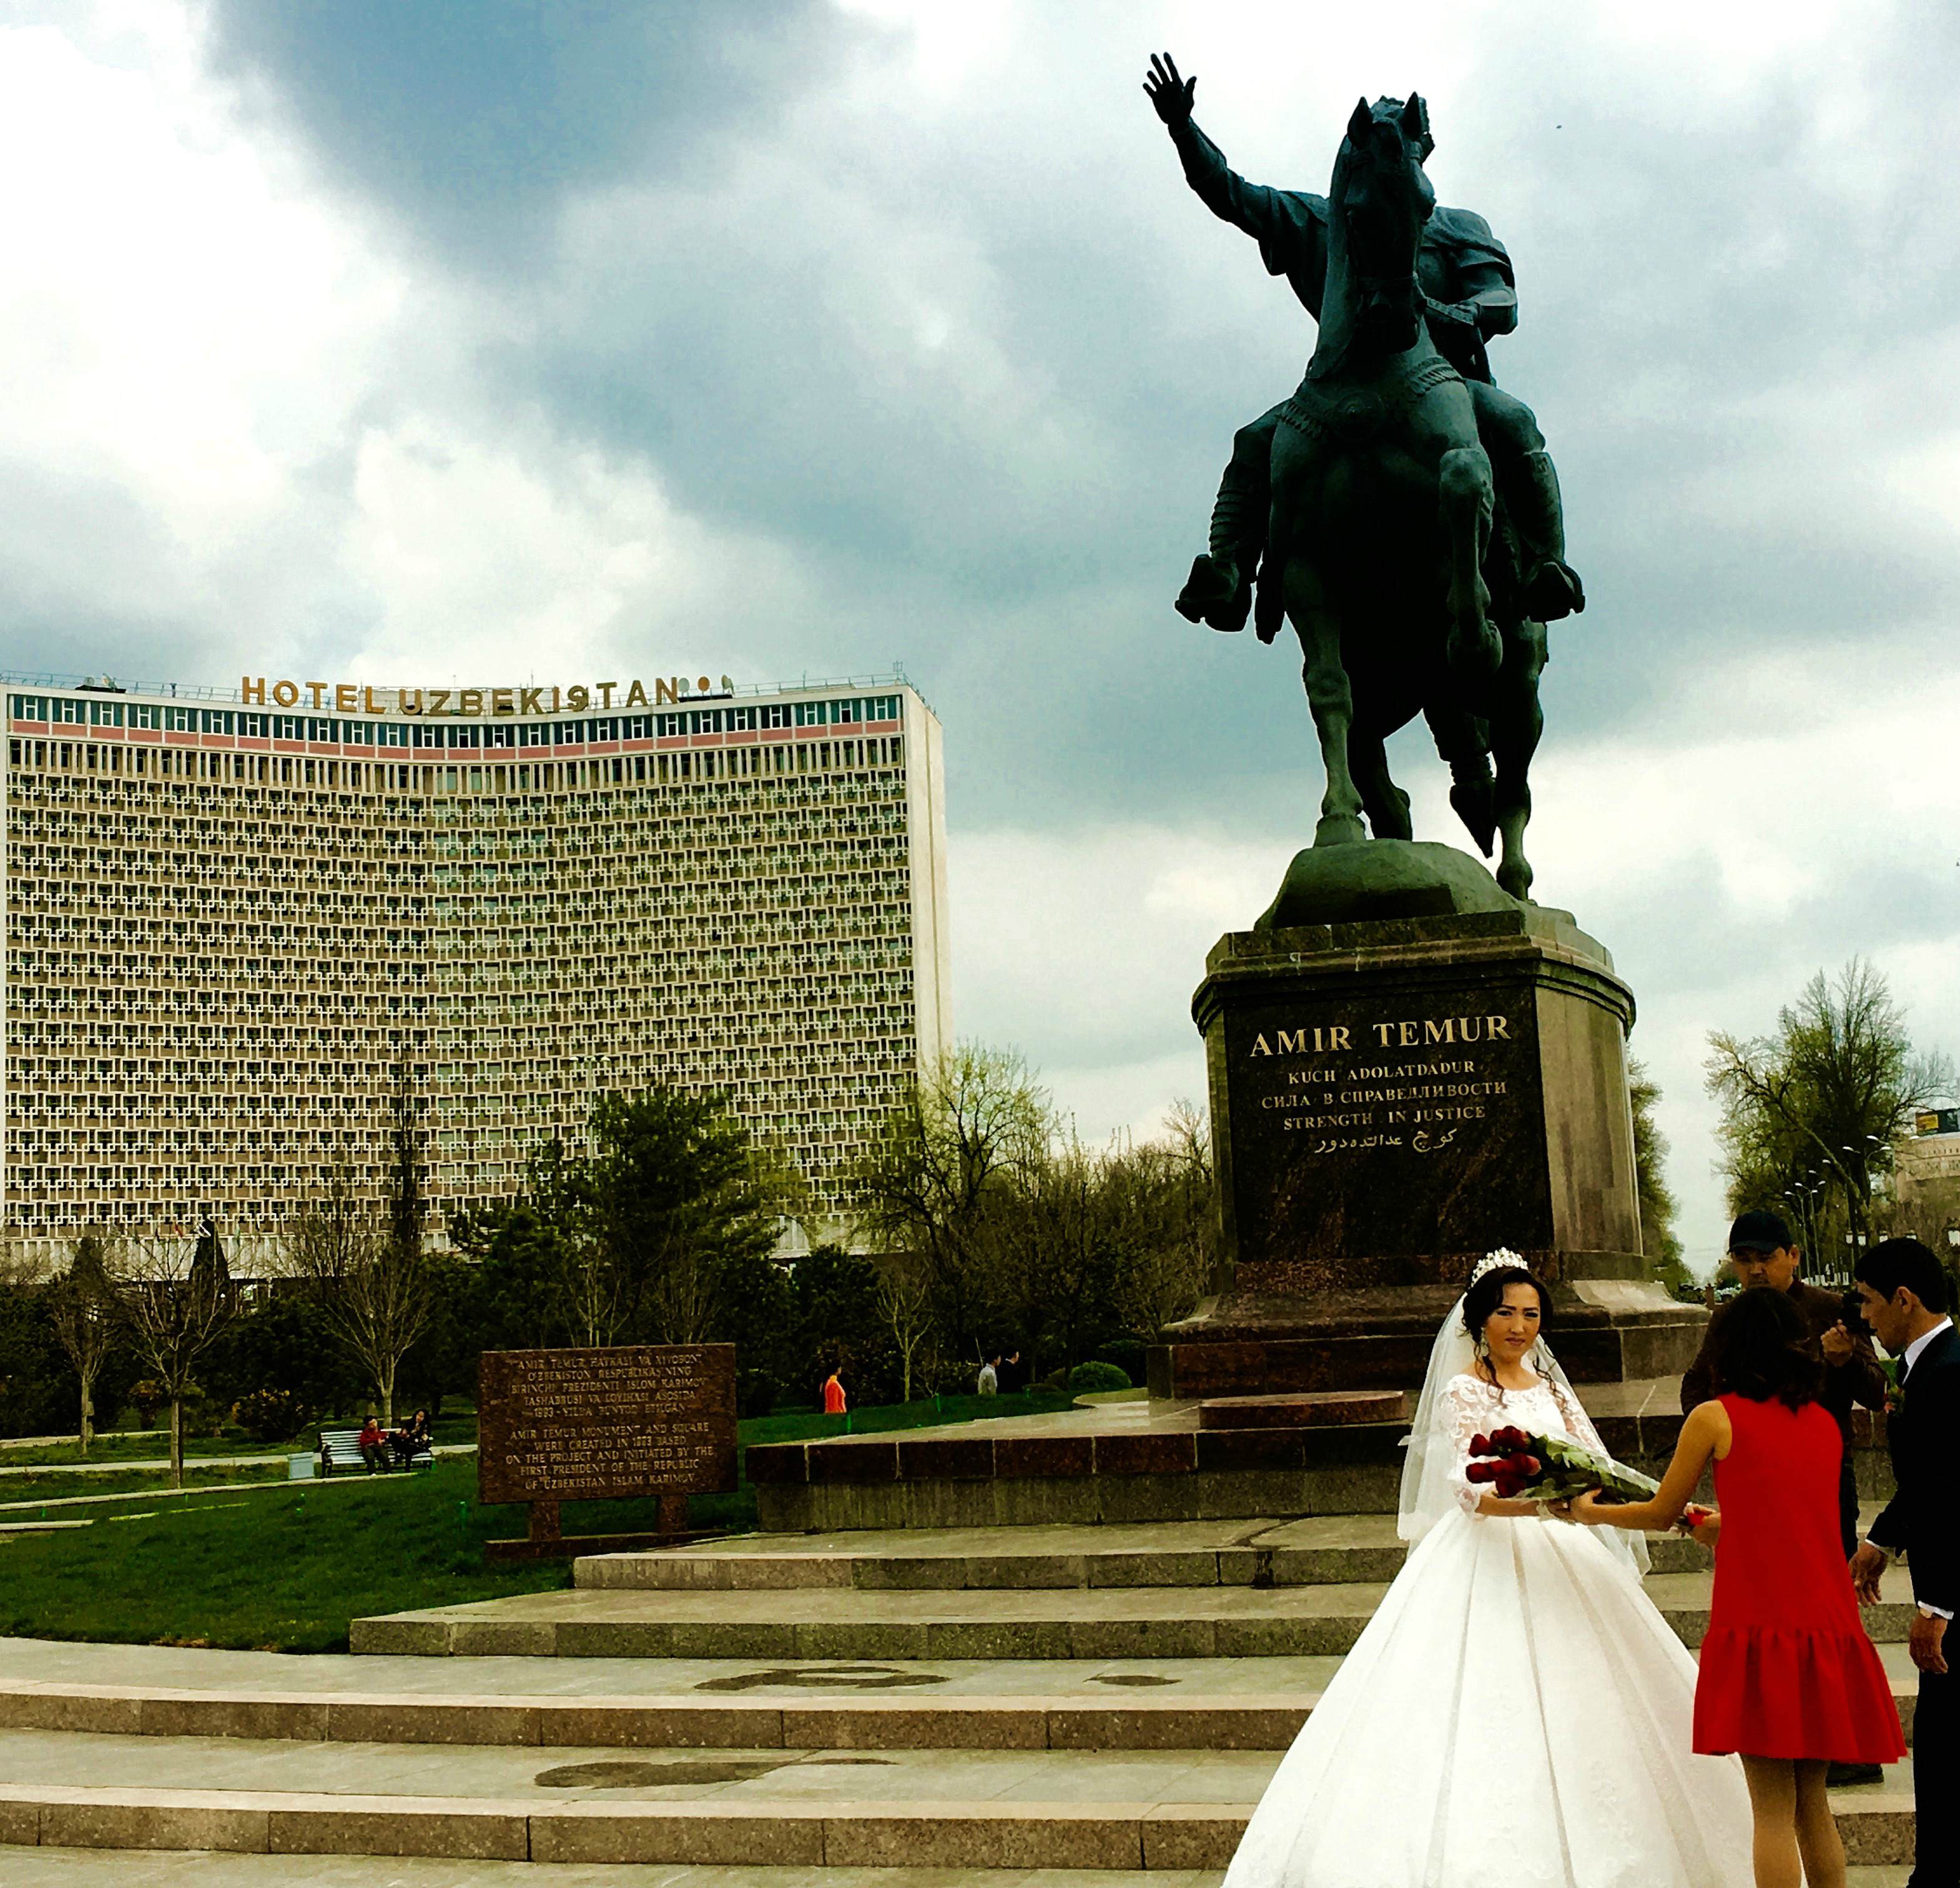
1400 510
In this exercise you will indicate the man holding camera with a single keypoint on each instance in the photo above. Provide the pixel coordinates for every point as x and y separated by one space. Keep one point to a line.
1762 1252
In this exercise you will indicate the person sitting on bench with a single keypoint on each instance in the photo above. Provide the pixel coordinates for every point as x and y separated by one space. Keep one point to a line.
411 1439
373 1445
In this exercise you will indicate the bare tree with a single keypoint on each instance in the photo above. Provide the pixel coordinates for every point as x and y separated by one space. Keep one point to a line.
942 1171
1170 1267
904 1309
83 1305
177 1298
373 1280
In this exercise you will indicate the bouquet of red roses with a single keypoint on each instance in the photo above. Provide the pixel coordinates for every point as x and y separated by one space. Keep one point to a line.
1516 1466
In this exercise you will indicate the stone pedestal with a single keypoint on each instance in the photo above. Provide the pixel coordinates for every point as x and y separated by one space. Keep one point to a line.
1392 1097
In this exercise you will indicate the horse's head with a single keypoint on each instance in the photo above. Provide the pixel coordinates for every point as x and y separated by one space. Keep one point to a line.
1383 198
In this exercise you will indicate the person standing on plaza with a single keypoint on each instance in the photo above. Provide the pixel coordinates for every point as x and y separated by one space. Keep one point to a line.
1906 1296
834 1402
1516 1713
1788 1679
988 1382
1762 1252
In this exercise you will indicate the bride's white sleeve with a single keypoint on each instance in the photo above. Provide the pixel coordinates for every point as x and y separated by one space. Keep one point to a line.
1578 1424
1467 1406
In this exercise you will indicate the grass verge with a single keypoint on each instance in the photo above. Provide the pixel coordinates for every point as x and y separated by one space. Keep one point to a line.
137 1445
15 1489
286 1568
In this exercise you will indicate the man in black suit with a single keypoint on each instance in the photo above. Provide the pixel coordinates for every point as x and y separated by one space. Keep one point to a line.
1904 1289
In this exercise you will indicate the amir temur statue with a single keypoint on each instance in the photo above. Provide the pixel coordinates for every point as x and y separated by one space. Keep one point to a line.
1399 507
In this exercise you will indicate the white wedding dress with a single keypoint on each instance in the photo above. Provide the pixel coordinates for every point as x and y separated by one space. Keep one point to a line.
1516 1714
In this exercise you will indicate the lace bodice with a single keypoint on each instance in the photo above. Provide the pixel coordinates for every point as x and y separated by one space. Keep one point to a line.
1476 1408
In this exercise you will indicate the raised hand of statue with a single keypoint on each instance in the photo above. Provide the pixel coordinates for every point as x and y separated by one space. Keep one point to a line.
1170 93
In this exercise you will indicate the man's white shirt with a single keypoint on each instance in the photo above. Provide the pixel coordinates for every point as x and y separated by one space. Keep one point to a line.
1909 1357
1919 1343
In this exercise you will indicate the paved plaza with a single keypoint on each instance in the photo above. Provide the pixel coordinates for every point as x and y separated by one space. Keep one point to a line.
916 1708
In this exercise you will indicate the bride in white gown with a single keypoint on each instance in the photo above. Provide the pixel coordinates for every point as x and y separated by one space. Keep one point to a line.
1516 1714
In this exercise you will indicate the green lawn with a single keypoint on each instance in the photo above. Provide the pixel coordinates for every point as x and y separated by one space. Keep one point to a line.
136 1445
285 1568
60 1488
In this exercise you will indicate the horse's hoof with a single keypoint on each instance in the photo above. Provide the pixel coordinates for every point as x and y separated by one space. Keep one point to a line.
1553 592
1472 800
1339 829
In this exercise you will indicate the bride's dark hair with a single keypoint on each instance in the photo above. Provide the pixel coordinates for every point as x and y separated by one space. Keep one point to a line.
1483 1298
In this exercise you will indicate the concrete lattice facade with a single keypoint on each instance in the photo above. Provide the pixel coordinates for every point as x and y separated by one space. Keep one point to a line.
230 933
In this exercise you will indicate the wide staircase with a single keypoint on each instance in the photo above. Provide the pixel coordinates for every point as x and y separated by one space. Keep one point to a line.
989 1704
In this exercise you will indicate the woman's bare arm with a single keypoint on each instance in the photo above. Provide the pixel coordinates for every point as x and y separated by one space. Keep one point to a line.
1705 1433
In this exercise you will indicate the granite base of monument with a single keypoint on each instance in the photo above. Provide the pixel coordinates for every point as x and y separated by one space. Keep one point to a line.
1436 1071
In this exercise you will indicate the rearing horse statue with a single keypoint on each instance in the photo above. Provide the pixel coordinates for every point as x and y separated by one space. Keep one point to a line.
1412 589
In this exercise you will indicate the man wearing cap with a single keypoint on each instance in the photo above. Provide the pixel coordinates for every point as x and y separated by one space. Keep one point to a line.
1762 1252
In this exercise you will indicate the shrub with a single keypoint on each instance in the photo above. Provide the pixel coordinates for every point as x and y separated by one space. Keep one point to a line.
1128 1354
149 1399
270 1416
1095 1377
202 1416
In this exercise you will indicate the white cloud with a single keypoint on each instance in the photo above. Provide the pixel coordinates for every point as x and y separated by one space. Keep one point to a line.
527 559
176 323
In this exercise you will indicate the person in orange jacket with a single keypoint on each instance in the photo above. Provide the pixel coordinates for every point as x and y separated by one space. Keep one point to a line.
833 1395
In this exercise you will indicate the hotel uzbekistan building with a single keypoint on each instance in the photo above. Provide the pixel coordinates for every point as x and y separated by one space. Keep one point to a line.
239 925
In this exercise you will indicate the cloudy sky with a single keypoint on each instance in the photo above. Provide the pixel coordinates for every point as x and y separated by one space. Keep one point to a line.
492 340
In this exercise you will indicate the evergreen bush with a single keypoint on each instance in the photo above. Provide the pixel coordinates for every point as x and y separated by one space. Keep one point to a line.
1095 1377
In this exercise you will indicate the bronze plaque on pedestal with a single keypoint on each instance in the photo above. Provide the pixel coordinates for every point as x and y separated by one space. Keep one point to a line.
1379 1135
629 1420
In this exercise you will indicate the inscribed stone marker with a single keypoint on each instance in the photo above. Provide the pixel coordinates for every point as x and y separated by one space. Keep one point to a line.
635 1419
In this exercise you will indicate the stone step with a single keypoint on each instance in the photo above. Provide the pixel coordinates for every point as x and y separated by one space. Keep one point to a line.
734 1807
1235 1704
737 1808
1064 1623
1130 1715
993 1623
120 1868
1326 1550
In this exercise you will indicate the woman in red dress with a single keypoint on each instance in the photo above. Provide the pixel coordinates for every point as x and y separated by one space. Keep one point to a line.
1788 1679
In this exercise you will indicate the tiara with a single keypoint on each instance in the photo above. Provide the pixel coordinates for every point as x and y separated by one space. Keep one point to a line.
1502 1259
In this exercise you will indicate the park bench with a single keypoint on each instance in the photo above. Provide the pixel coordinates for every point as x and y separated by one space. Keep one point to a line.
340 1448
